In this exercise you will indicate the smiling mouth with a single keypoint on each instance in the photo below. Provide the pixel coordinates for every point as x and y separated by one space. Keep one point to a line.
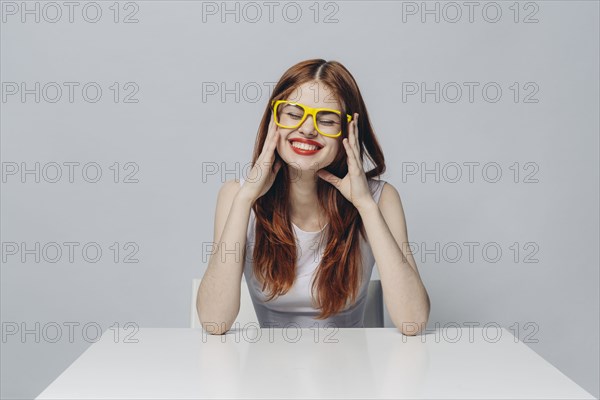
304 146
303 149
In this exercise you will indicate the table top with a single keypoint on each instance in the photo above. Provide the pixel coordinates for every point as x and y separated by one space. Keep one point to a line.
311 363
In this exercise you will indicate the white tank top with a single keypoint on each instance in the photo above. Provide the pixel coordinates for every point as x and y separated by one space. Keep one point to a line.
294 308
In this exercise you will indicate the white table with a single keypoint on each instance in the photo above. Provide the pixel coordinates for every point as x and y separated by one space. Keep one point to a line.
364 363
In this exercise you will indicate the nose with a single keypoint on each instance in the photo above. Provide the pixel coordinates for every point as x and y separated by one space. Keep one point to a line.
308 127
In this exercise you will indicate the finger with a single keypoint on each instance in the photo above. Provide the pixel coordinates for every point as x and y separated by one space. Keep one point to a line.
274 134
354 137
351 134
329 177
271 139
265 167
272 125
268 153
352 163
267 156
270 134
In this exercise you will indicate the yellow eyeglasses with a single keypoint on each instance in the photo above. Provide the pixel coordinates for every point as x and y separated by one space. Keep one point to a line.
290 115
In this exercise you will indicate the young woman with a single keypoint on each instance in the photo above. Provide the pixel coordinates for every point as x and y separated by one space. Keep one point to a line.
312 221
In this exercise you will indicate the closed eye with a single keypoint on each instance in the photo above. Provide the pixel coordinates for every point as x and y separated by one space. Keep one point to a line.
295 116
327 122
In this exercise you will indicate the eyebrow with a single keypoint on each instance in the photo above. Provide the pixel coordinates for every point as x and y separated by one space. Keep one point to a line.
328 107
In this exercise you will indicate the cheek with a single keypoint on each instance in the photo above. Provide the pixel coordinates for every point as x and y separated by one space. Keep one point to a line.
332 151
334 147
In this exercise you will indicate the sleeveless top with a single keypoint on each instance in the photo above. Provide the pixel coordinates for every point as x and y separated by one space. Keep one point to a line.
294 309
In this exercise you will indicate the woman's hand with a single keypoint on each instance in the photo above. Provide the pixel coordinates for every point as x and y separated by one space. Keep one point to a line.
262 176
353 186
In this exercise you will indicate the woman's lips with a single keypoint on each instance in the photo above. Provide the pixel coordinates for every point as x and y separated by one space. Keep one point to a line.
303 152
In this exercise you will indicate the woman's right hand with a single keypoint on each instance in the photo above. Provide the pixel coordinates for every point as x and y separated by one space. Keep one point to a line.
262 175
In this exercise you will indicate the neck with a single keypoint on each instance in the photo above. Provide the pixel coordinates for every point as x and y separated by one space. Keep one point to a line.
303 197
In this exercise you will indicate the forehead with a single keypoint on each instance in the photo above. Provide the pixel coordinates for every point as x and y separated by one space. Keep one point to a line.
315 94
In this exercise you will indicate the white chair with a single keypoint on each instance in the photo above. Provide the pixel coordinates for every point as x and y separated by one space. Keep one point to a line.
373 310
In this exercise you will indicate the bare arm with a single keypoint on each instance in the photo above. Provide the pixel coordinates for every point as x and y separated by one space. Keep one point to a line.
385 226
403 290
218 300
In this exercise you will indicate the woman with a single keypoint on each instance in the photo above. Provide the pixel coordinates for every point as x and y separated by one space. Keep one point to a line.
315 219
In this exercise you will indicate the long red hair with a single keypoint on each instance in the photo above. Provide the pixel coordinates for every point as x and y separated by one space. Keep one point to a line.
340 272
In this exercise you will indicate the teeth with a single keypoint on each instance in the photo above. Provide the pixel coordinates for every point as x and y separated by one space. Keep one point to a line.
304 146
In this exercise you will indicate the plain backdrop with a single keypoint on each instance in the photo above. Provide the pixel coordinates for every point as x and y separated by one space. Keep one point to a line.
533 229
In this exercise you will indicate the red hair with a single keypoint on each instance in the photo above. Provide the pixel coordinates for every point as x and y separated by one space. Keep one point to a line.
340 272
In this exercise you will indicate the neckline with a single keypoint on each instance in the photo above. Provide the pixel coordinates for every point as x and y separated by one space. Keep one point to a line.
296 226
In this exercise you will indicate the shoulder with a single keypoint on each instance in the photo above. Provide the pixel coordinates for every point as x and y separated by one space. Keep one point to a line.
392 210
379 187
389 197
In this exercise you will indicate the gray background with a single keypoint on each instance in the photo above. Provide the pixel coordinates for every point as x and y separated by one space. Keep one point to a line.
172 135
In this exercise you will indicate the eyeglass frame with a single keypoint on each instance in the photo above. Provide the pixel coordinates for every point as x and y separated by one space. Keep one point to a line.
307 111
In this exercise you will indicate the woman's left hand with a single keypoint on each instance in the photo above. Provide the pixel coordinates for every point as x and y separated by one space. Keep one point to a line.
353 186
